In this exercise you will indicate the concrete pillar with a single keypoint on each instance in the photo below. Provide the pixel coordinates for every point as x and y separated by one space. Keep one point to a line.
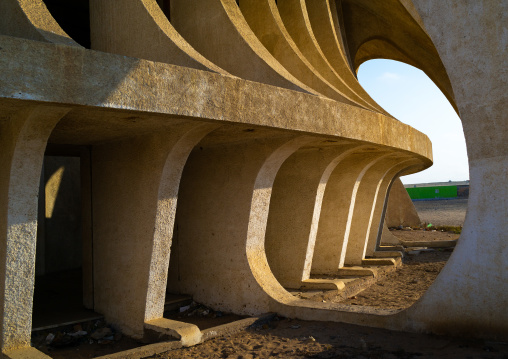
23 138
336 212
470 294
295 209
221 223
365 203
379 210
134 190
400 209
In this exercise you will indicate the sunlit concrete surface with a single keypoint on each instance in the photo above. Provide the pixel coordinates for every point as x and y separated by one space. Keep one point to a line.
228 152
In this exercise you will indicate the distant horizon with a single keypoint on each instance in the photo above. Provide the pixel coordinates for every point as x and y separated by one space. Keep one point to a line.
411 97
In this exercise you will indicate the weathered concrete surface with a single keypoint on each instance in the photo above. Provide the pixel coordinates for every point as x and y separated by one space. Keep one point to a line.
475 58
23 135
142 118
400 210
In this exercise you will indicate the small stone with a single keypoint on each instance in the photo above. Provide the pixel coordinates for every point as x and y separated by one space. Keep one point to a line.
295 326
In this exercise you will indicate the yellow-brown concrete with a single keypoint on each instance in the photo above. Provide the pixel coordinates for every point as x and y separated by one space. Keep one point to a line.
220 109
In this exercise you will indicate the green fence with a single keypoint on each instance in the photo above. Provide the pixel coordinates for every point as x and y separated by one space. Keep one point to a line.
432 192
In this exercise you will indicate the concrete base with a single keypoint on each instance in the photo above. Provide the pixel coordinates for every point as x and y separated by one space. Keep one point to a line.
25 353
387 254
357 271
324 284
382 261
188 334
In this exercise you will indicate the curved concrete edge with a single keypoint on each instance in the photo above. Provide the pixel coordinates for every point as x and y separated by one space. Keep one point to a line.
123 27
380 211
263 19
165 218
369 192
23 137
295 207
400 210
337 211
325 33
225 37
30 19
179 92
471 288
373 21
188 334
294 16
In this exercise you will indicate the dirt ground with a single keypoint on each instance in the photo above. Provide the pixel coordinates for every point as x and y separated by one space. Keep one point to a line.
396 290
450 212
285 338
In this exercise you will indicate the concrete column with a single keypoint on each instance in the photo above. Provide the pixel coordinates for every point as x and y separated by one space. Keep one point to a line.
379 210
295 208
221 223
367 197
338 203
134 187
23 138
470 294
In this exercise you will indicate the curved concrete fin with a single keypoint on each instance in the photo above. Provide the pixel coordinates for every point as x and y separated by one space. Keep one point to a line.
295 19
264 20
326 35
225 38
369 21
139 28
31 19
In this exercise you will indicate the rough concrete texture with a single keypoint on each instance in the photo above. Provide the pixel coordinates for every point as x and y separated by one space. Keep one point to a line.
400 210
191 156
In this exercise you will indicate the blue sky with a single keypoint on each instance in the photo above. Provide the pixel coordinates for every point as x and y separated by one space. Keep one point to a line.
411 97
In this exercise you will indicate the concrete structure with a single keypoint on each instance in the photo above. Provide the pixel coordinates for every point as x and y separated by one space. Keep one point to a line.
191 124
400 210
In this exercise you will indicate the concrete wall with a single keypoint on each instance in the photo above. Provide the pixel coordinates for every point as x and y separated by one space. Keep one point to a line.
200 143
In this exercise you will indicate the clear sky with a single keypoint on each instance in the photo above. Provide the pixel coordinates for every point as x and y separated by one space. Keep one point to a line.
411 97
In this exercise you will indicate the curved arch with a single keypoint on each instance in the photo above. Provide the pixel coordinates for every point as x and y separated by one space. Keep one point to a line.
382 48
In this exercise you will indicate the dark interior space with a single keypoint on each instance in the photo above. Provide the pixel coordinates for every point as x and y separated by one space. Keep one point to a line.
73 16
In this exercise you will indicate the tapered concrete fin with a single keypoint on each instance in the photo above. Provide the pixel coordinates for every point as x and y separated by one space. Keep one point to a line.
123 27
327 36
225 37
294 16
30 19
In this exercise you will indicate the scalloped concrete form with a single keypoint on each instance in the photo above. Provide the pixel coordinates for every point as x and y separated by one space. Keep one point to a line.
233 144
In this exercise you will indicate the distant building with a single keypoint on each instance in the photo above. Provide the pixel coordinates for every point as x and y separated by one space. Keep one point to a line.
438 190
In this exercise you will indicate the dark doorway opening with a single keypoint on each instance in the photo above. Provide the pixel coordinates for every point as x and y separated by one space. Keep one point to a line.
63 292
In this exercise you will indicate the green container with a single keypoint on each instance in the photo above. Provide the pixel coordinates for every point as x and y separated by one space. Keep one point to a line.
432 192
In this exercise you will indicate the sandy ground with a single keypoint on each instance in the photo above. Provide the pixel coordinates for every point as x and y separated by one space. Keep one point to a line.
396 290
285 338
451 212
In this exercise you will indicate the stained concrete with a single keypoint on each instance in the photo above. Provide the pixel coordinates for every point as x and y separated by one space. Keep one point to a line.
186 147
